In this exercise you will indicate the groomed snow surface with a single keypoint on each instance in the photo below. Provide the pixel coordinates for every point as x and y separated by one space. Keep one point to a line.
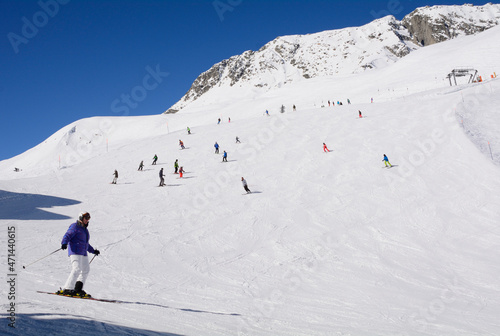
327 243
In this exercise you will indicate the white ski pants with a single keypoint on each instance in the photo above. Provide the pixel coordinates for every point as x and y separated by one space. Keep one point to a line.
79 270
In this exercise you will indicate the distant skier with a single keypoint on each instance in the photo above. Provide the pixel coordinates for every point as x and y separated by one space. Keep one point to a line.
238 140
181 172
372 100
77 237
218 122
224 157
229 119
162 180
386 161
141 165
181 144
176 166
325 148
294 108
115 174
216 148
245 185
155 158
360 115
189 130
348 101
267 113
328 103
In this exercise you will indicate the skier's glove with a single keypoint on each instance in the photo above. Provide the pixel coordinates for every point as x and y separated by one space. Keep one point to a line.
96 252
64 246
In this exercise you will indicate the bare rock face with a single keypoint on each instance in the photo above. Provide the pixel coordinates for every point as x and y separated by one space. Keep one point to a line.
429 25
344 51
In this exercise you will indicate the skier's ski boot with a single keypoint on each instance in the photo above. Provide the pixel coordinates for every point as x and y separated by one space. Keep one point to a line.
83 295
79 290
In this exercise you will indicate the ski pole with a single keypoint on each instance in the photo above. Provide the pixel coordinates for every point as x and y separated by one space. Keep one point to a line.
42 257
92 259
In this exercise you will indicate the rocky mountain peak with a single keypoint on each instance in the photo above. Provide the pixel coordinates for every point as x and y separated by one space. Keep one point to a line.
343 51
429 25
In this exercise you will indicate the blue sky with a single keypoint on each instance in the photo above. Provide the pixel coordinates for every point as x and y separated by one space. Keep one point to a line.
63 60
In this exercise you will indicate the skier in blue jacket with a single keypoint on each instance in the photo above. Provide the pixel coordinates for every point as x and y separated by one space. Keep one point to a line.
76 240
386 161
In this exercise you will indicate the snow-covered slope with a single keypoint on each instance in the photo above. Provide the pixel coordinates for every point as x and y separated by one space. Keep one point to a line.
327 243
296 58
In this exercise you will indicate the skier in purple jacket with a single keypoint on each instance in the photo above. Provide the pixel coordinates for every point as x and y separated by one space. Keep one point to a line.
77 237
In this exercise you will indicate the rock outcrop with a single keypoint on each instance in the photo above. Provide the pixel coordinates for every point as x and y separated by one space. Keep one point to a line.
429 25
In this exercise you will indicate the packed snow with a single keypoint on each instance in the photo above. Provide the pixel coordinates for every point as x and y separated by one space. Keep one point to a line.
327 243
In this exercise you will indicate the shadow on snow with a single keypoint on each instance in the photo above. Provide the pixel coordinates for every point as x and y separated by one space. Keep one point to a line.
27 206
66 324
181 309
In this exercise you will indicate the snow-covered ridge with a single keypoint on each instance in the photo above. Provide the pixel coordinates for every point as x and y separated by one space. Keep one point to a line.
345 51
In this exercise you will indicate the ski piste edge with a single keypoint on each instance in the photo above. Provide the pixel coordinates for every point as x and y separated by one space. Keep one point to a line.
82 298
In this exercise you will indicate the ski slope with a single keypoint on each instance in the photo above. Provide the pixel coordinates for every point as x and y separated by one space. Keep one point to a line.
327 243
